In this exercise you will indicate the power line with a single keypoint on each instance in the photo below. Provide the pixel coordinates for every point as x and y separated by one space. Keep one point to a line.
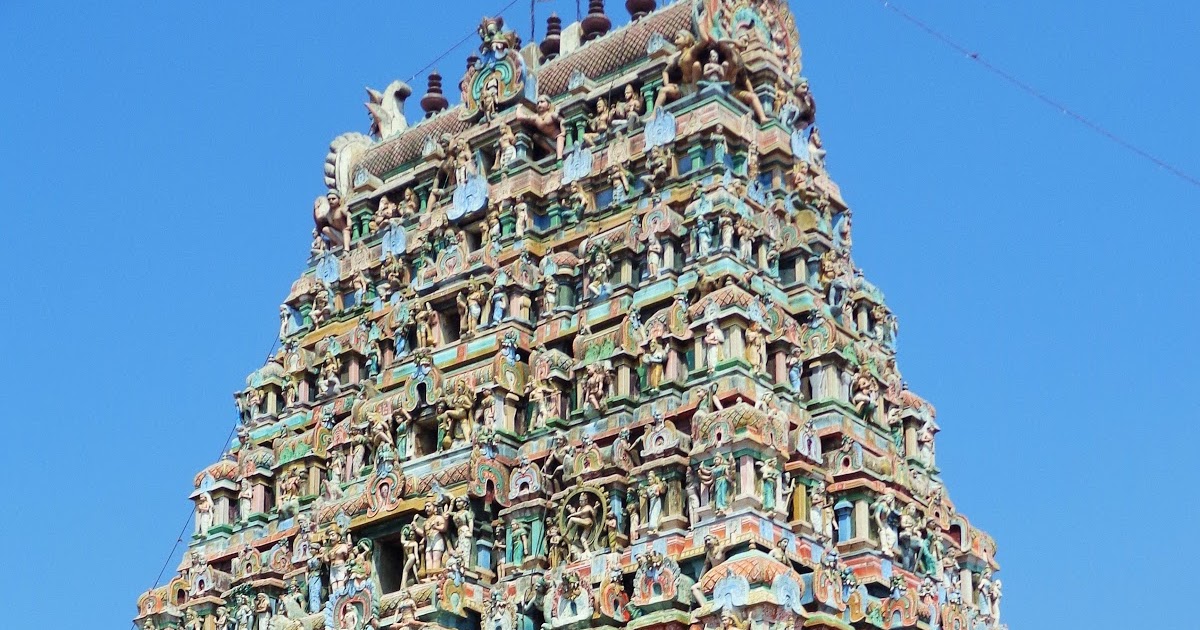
455 46
188 521
1041 96
191 513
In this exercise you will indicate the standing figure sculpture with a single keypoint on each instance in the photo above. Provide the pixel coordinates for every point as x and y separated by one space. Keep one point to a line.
428 326
411 548
656 490
204 514
717 478
883 512
655 360
756 347
771 477
433 535
581 525
714 340
464 528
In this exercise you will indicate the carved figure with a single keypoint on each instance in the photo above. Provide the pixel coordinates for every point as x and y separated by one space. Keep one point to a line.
429 332
556 545
385 212
387 109
816 148
337 556
244 614
454 413
704 237
883 511
714 342
659 166
714 70
321 304
629 110
523 221
717 478
726 223
866 392
779 552
204 514
655 491
433 534
548 124
686 64
653 258
581 524
333 222
756 347
549 295
464 528
655 360
925 445
746 233
597 386
245 496
771 476
506 147
598 123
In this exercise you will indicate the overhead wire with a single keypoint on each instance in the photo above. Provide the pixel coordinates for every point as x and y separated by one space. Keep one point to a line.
191 513
1041 96
460 42
232 430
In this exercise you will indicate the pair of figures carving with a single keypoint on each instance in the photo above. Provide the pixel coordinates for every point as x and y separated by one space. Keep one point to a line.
712 62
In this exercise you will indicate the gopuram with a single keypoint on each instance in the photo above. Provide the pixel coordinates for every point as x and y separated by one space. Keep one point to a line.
586 350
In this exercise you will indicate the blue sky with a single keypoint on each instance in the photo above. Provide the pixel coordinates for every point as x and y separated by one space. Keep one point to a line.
160 160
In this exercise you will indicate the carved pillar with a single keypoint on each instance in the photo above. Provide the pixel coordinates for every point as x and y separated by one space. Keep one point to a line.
800 503
911 427
845 520
825 379
261 502
747 478
735 344
779 373
861 519
675 369
967 585
672 255
508 420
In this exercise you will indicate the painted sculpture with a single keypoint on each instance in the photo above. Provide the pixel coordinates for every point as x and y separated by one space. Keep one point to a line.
587 350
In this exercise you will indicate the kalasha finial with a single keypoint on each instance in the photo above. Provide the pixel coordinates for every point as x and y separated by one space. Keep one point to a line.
434 101
639 8
550 45
595 23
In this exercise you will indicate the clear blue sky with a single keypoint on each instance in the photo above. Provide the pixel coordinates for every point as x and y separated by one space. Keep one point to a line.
160 161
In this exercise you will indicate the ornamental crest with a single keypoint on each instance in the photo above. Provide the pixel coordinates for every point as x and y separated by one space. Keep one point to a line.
763 24
498 76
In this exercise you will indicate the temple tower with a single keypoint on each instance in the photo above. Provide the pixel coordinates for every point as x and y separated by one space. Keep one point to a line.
587 349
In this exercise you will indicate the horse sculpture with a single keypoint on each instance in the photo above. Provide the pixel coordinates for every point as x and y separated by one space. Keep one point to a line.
387 109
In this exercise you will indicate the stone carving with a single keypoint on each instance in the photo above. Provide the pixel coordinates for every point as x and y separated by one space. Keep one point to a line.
331 218
883 513
714 343
700 331
387 109
717 478
548 124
